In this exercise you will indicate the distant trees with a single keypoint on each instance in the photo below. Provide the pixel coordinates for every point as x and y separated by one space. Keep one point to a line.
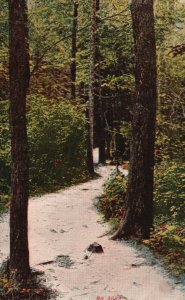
138 216
54 39
19 83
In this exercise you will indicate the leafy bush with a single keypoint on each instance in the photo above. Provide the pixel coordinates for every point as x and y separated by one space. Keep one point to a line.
112 201
4 156
169 202
168 237
57 143
168 240
170 190
56 133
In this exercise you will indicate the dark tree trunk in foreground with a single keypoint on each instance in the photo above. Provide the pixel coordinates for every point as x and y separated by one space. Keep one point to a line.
138 217
74 50
19 81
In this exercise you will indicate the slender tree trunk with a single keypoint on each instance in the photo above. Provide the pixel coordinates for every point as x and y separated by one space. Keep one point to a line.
138 217
89 160
74 50
101 110
92 82
92 69
102 150
108 145
19 82
98 98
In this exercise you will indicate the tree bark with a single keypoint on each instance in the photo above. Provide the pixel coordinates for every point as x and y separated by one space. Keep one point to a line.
92 69
138 216
19 82
102 125
89 159
102 150
92 86
98 98
74 50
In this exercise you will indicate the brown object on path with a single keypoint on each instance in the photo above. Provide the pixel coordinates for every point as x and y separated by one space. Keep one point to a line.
95 248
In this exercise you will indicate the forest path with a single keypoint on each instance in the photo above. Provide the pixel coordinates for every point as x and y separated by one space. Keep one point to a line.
65 223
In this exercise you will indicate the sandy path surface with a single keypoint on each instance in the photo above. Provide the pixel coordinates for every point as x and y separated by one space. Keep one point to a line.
65 223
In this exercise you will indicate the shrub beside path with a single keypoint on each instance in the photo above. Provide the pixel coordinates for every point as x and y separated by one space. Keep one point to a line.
61 227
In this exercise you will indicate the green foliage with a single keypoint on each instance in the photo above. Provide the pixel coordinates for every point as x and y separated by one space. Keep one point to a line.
4 200
49 30
168 241
116 47
169 194
50 24
57 142
56 132
168 237
170 119
170 190
13 290
170 31
112 202
4 153
3 49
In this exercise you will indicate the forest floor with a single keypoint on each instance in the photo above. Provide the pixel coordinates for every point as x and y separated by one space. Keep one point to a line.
61 227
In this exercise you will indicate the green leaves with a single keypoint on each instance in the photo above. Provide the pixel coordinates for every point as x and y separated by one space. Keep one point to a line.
56 132
57 142
168 241
112 202
168 235
170 190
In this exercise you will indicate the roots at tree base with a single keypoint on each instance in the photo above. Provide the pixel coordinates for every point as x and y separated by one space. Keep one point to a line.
128 230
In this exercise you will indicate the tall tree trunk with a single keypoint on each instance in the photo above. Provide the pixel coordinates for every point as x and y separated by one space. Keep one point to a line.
74 50
98 98
92 69
92 80
138 217
19 82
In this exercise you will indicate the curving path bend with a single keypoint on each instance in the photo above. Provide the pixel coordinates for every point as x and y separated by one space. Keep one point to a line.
65 223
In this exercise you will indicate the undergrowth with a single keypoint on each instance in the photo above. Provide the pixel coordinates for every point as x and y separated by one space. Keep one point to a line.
32 289
168 235
57 147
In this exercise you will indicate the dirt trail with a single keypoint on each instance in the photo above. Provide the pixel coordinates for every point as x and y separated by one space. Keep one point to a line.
65 223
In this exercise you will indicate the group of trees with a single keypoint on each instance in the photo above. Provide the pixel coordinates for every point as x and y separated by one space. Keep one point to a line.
92 53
